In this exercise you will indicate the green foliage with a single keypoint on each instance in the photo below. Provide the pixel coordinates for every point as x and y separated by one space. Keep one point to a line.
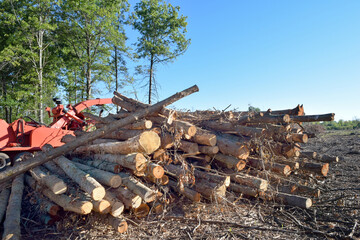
253 109
341 124
162 34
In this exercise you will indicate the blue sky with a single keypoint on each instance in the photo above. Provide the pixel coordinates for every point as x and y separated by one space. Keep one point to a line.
269 54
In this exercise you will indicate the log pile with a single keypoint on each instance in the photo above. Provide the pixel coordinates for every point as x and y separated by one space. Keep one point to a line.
202 155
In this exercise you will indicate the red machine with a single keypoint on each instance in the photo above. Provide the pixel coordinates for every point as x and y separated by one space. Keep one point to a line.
29 136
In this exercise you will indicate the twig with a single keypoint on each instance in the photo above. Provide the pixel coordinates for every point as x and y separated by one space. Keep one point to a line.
353 229
197 226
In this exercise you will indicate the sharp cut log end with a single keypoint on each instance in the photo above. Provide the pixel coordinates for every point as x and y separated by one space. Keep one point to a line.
136 202
142 211
287 170
243 152
115 181
117 209
102 206
150 141
325 169
308 203
98 193
119 225
157 171
240 165
191 131
86 207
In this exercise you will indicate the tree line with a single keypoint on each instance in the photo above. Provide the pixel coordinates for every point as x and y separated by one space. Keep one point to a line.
47 46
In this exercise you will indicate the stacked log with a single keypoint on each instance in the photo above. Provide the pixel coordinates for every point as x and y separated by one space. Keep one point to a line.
200 155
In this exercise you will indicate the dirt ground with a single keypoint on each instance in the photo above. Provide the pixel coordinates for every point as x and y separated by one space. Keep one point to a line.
334 215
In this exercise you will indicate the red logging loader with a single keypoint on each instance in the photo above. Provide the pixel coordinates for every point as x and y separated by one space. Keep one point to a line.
29 136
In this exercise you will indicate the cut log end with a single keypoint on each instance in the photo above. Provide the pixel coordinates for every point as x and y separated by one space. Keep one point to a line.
119 225
86 207
142 211
115 181
102 206
287 170
240 165
98 193
150 141
325 169
157 171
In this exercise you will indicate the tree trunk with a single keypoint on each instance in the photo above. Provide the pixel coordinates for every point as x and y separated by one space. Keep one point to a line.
116 74
228 146
147 142
133 161
42 158
147 194
4 197
104 177
251 181
130 199
313 118
55 184
117 207
187 192
151 80
230 162
244 189
64 201
86 182
13 211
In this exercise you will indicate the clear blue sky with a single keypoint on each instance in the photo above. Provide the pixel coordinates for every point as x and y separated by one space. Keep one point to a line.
270 54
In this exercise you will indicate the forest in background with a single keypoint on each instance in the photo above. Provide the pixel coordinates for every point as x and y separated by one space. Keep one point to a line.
66 48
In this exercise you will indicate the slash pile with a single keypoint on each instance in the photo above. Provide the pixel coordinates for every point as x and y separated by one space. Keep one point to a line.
200 155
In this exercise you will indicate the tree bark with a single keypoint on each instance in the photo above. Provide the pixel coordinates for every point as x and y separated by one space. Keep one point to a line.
147 142
4 197
55 184
104 177
86 182
230 147
230 162
147 194
117 207
130 199
251 181
313 118
64 201
133 161
13 211
187 192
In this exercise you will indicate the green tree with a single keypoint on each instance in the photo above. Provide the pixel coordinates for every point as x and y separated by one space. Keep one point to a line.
162 35
90 30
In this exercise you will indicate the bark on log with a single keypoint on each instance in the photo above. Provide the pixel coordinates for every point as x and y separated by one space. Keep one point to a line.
55 184
189 147
13 211
64 201
273 167
42 158
326 158
179 172
266 119
130 199
4 197
209 150
164 180
251 181
308 154
204 137
123 134
230 162
140 105
210 190
119 224
294 188
235 129
247 190
68 138
298 111
147 142
318 168
103 165
313 118
117 207
45 205
185 127
133 161
86 182
55 169
147 194
211 177
187 192
299 137
103 177
292 200
140 125
228 146
292 163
